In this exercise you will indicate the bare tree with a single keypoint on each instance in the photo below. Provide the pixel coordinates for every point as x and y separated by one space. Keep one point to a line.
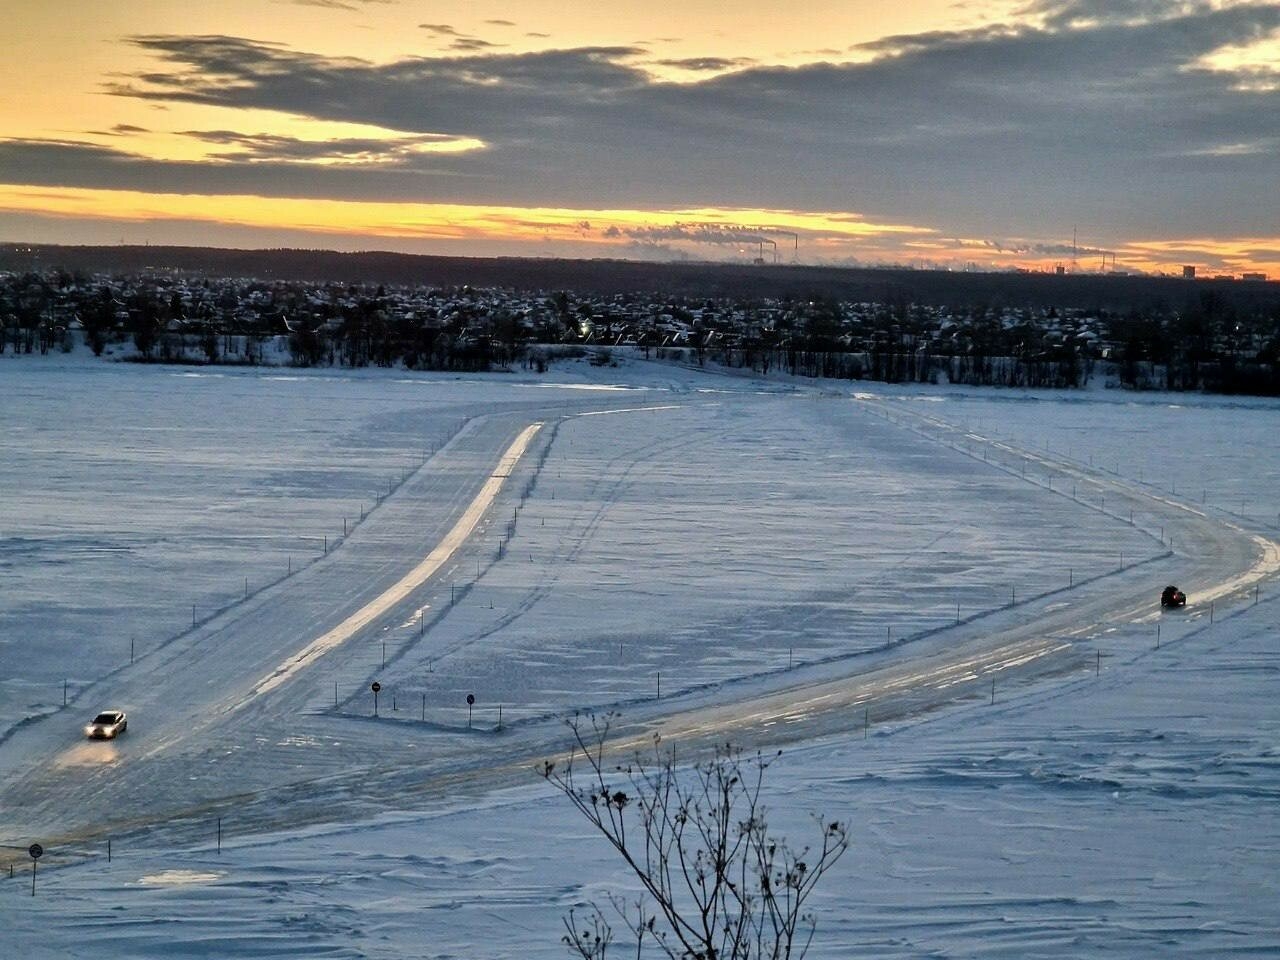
717 884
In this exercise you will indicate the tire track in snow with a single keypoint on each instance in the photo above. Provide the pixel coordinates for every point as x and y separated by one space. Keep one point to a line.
377 607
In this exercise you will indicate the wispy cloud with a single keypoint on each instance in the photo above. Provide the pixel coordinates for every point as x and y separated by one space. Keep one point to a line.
349 5
707 64
267 147
462 42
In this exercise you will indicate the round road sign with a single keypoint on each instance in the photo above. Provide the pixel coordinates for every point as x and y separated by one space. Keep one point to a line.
36 851
471 699
375 686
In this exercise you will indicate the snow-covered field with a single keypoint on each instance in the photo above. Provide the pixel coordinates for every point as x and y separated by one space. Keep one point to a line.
714 534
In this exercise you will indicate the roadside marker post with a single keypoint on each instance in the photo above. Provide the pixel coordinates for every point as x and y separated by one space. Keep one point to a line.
36 851
471 702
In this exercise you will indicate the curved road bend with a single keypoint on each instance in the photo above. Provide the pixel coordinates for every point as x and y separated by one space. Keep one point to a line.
176 770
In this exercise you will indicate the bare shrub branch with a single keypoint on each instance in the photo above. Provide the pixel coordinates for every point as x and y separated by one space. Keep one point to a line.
717 885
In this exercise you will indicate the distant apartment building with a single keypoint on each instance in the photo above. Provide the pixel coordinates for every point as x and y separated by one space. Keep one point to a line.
1253 276
1188 273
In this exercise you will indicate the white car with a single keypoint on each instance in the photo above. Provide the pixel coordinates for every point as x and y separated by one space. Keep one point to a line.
107 725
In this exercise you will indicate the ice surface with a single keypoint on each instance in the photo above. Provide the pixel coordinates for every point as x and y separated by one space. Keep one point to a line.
747 528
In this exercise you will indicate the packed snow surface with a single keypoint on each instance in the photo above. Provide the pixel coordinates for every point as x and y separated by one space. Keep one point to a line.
939 602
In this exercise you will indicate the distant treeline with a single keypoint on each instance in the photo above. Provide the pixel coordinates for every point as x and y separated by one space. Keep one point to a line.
852 284
1212 343
41 312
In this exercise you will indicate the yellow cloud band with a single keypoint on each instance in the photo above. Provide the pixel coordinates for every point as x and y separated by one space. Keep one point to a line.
419 220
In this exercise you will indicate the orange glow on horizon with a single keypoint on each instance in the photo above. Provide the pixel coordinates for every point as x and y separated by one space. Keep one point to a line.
824 236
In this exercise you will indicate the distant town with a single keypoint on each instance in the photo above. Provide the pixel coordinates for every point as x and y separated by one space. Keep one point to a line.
1208 341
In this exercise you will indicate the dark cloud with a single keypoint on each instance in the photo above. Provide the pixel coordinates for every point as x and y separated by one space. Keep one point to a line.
65 162
933 40
461 91
472 44
500 23
1002 131
439 29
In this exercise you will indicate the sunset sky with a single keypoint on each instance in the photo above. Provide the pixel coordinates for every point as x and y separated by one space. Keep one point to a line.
930 132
